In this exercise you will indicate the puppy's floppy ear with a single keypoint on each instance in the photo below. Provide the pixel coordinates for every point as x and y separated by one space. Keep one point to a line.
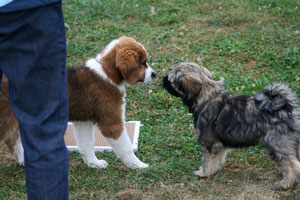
127 60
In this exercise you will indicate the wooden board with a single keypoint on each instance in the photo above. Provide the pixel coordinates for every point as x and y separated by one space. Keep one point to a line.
133 129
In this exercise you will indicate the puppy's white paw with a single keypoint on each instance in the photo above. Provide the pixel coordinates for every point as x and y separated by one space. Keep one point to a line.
98 164
137 165
21 163
200 173
19 159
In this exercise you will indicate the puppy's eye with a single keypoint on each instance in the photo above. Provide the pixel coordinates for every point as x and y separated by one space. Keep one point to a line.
144 63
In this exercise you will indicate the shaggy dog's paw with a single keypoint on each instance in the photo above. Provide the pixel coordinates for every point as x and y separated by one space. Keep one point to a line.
98 164
280 186
200 173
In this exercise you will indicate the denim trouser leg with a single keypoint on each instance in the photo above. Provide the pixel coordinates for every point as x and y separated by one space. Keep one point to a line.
1 74
32 56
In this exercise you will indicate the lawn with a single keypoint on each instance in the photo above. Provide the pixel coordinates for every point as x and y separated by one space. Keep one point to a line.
250 43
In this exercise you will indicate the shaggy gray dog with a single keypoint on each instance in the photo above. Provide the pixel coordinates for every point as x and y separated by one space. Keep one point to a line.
271 118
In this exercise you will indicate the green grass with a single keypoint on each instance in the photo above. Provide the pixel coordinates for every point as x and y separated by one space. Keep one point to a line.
250 43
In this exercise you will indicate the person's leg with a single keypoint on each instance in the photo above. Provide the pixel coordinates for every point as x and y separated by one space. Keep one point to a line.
32 56
0 79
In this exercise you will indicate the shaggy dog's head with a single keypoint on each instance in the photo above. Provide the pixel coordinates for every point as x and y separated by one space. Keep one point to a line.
189 81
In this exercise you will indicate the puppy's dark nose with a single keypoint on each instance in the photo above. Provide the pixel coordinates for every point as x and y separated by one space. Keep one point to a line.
153 75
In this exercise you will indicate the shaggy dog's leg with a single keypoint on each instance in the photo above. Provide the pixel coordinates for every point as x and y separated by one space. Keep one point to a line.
85 140
290 169
212 160
285 157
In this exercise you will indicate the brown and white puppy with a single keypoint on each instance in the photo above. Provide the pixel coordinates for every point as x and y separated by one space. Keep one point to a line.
97 94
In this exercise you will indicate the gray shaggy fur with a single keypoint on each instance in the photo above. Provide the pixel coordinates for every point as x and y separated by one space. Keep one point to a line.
270 118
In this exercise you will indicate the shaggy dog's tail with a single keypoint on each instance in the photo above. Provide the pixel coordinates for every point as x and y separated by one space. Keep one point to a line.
275 97
280 99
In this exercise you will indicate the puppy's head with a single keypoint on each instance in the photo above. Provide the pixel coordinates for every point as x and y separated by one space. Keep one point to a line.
129 59
187 80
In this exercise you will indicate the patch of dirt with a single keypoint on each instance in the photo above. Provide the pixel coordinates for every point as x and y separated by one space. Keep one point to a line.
251 64
129 195
5 156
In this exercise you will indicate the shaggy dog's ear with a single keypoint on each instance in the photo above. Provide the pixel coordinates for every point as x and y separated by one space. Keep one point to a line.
206 79
207 73
192 84
192 88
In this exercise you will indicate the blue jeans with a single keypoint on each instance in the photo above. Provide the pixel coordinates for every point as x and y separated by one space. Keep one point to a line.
33 56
